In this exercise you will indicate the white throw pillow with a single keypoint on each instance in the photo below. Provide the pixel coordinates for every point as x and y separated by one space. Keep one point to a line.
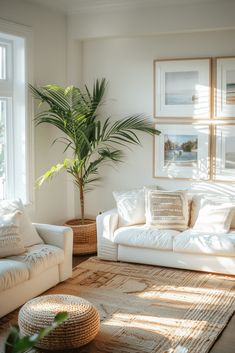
167 209
199 200
27 230
195 208
214 216
130 206
10 239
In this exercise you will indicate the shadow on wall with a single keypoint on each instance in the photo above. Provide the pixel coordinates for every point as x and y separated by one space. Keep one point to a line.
222 189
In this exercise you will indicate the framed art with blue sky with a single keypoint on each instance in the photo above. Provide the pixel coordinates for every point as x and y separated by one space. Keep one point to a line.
182 151
182 88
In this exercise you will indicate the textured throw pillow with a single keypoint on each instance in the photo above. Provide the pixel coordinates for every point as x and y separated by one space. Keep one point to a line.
27 230
214 216
167 209
130 206
10 239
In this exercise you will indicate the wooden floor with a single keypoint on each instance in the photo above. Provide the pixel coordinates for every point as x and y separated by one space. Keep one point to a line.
224 344
78 259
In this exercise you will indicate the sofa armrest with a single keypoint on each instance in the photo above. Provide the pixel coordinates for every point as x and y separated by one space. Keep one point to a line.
61 237
107 223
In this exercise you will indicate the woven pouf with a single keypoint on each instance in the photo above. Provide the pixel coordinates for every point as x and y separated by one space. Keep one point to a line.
79 329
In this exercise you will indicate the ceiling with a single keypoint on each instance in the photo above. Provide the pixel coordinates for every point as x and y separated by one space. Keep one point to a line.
70 6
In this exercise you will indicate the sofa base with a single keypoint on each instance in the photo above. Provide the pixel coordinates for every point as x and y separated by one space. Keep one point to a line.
197 262
13 297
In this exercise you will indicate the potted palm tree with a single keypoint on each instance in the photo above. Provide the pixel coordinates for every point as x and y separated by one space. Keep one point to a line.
93 140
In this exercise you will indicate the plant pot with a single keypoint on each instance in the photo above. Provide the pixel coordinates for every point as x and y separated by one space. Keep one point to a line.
84 236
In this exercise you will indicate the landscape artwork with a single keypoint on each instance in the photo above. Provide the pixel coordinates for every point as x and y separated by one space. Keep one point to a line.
181 150
230 87
229 152
181 88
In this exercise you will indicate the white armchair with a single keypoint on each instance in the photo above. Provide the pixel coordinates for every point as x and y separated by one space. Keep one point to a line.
41 267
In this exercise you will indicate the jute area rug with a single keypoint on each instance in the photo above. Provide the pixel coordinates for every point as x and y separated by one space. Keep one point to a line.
149 309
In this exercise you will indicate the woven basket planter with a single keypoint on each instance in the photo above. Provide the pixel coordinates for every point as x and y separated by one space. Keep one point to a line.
84 236
80 328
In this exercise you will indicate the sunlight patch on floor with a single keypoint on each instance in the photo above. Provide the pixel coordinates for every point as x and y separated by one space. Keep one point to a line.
160 325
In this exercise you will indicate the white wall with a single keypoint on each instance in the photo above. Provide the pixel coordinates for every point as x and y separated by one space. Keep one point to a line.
127 63
136 21
50 44
121 46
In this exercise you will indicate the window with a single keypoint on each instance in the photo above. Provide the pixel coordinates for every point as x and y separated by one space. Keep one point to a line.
14 118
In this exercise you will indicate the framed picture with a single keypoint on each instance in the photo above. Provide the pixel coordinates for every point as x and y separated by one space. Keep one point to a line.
225 88
182 151
224 152
182 88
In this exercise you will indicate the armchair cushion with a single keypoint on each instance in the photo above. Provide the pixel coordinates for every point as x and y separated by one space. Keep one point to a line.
27 231
40 257
12 273
10 239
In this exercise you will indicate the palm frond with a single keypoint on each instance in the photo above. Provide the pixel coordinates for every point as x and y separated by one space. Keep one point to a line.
122 131
94 100
55 169
93 142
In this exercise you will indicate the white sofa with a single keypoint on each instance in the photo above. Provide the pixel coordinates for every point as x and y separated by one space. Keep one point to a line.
41 267
147 245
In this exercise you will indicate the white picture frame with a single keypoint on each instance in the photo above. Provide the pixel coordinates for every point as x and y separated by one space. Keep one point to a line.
225 88
182 88
182 151
224 152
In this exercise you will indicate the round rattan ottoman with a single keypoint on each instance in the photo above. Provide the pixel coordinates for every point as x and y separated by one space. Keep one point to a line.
79 329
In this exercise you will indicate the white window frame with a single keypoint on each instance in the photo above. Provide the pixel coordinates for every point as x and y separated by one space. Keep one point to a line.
25 34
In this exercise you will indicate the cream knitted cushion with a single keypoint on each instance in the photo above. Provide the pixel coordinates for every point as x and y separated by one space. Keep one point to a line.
10 239
167 209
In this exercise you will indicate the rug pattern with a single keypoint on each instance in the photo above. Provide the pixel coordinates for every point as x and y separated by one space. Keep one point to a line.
149 309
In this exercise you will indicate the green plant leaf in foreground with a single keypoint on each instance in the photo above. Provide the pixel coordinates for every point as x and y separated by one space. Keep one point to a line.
17 344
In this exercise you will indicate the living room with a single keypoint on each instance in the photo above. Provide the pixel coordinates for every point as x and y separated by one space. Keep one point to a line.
128 42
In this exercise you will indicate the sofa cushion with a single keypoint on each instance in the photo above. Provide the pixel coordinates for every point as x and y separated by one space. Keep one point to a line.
167 209
40 257
212 214
214 218
130 206
145 237
191 241
12 273
199 200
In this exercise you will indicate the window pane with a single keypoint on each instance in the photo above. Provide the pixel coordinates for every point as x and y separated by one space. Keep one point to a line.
2 62
3 112
14 168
